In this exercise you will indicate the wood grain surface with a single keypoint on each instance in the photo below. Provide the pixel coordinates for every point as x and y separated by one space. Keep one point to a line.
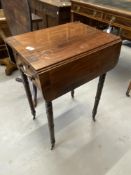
64 57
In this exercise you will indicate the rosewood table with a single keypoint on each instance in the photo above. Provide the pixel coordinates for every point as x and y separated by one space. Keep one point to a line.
62 58
116 13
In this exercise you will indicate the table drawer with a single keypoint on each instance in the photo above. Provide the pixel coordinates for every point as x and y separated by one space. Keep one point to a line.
27 69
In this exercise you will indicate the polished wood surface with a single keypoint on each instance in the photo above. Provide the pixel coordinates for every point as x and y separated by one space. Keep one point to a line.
62 58
53 12
115 13
47 51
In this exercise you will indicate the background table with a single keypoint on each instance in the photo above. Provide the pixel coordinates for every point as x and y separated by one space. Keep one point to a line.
62 58
54 12
106 12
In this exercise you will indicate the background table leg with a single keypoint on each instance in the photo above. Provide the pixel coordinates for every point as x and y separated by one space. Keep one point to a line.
49 111
28 93
128 90
35 95
98 95
72 93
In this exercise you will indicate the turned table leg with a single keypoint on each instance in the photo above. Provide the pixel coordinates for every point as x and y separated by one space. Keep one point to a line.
34 91
98 95
128 90
28 93
49 111
35 95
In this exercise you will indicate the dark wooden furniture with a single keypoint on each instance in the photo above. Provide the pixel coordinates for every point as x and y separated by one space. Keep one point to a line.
4 60
115 13
62 58
100 13
13 22
18 16
19 21
53 12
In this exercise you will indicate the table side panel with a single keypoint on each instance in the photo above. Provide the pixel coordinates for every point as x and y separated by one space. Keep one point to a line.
65 78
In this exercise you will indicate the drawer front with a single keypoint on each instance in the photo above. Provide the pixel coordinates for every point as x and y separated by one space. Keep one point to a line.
25 67
87 11
28 70
116 20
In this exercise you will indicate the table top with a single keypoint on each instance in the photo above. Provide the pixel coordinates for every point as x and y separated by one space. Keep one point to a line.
115 4
48 48
58 3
